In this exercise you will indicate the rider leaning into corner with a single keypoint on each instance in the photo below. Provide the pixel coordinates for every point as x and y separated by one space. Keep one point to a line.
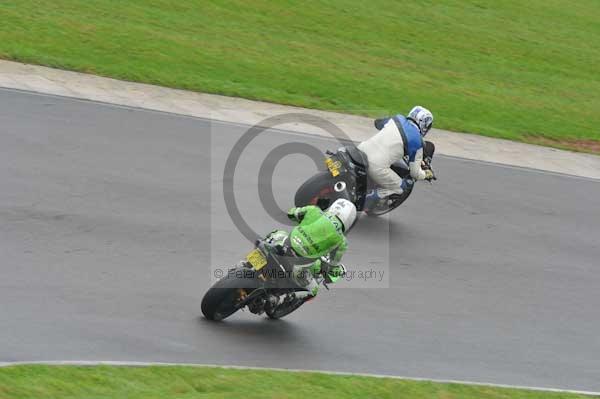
315 247
399 138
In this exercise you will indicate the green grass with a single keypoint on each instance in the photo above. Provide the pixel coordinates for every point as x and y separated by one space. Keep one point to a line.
514 69
69 382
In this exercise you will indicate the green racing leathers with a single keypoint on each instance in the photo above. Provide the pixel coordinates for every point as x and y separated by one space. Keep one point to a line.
319 236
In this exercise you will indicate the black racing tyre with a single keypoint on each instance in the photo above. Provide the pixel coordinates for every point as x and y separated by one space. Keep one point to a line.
320 186
222 299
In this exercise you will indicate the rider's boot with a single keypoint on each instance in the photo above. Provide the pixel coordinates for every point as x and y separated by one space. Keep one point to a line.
257 306
406 184
371 199
272 302
374 197
303 295
303 276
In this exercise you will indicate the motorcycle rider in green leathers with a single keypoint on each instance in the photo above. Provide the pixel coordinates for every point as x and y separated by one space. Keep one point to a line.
316 246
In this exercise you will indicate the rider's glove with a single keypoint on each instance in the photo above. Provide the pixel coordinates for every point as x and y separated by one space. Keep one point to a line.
334 272
292 214
429 175
296 214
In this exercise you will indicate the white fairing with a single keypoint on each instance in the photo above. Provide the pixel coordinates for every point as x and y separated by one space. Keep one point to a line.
345 211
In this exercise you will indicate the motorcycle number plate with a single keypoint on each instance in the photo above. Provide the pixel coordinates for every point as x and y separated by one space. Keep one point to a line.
333 166
256 259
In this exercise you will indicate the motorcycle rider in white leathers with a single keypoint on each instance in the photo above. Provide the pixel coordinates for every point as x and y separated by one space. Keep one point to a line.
399 138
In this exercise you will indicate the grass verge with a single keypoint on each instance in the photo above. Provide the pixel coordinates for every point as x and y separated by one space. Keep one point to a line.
91 382
524 71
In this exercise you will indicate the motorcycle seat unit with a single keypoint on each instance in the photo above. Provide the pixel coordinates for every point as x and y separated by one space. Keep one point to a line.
357 156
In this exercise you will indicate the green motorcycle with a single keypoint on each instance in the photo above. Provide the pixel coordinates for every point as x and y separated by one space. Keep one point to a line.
263 283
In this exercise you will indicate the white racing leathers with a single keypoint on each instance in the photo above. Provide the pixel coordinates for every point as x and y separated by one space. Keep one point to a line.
387 147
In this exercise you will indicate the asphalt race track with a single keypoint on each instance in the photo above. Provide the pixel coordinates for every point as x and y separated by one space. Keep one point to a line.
110 218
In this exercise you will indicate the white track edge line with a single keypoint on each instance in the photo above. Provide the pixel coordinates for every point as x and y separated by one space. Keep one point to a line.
341 373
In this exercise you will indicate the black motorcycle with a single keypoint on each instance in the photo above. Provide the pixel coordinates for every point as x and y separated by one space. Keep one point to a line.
262 283
346 177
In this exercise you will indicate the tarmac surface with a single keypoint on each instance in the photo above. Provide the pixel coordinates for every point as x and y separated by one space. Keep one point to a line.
112 223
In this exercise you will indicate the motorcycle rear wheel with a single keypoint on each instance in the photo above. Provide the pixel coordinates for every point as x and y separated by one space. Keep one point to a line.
224 297
320 186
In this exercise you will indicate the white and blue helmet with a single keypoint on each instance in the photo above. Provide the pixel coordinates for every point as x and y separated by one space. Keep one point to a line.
422 117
